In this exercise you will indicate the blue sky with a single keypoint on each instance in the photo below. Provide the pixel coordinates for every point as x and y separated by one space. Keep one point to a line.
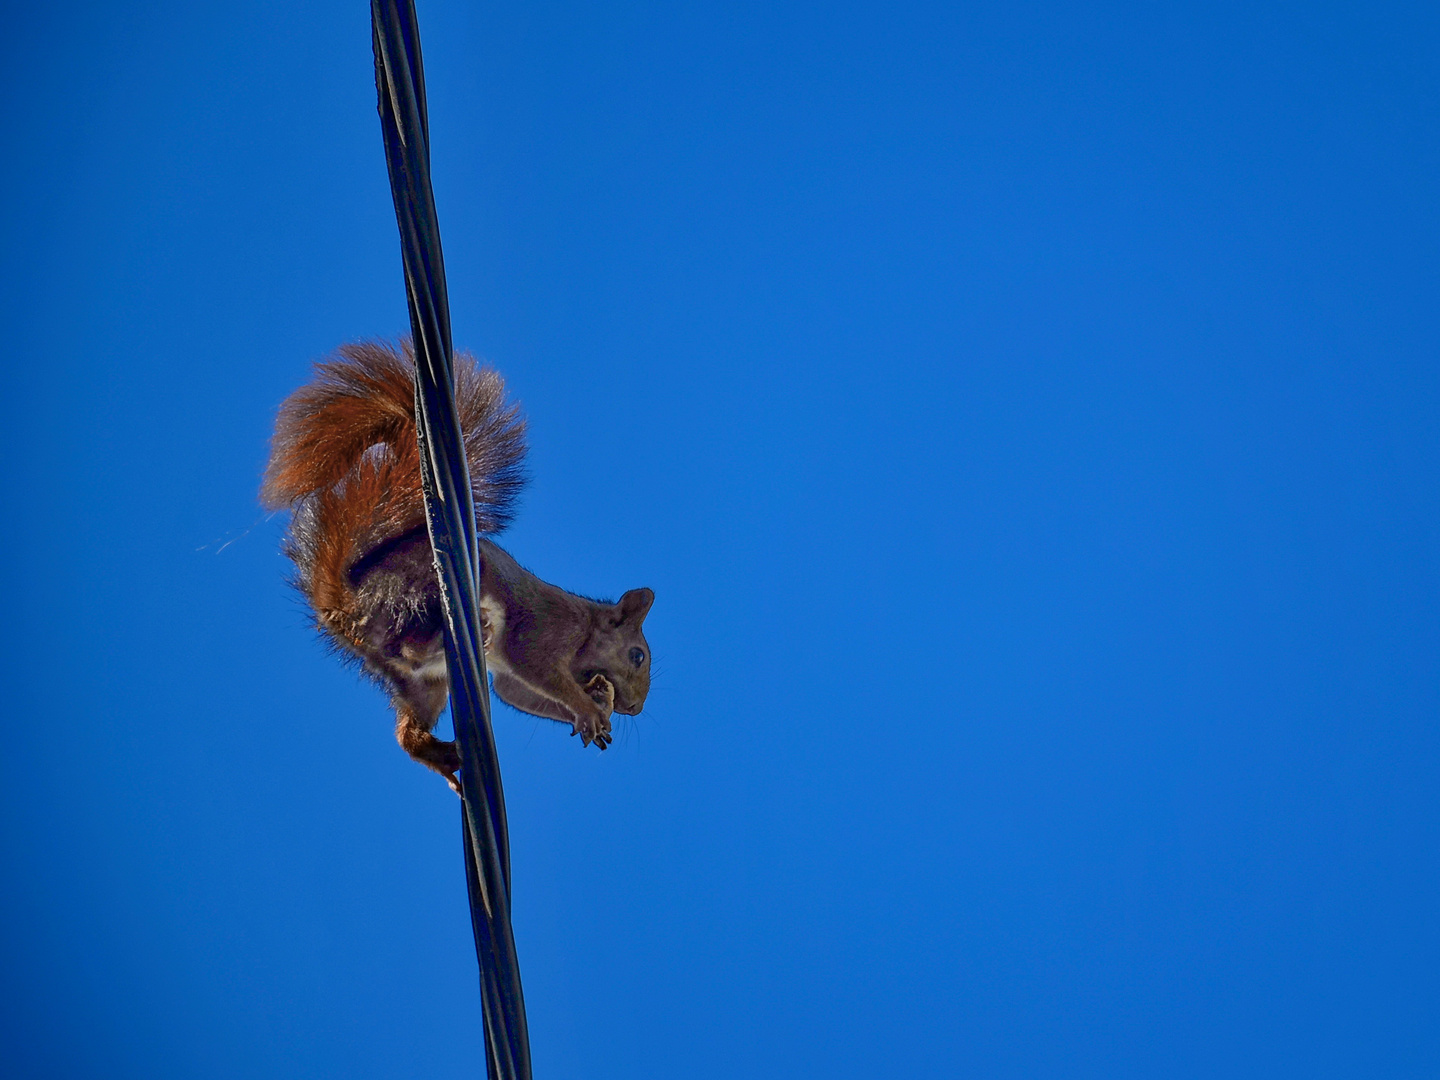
1026 416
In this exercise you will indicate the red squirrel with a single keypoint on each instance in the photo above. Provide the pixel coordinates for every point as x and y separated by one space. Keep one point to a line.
344 461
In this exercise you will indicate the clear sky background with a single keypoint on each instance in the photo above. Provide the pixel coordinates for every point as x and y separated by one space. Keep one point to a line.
1025 414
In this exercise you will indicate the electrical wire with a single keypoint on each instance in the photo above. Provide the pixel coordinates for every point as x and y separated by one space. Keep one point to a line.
450 515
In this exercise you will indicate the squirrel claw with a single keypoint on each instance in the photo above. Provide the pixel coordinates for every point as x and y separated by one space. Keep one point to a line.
592 731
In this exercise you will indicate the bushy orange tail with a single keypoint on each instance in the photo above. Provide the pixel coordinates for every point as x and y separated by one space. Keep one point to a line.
344 459
363 395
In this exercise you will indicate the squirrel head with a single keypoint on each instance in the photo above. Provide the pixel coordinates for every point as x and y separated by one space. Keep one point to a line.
618 650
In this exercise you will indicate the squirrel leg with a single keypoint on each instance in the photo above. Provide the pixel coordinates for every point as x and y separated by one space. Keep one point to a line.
413 723
586 709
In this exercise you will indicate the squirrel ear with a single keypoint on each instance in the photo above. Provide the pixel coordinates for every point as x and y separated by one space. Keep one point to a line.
633 606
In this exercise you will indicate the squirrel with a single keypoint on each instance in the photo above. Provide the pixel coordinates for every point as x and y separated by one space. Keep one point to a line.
344 461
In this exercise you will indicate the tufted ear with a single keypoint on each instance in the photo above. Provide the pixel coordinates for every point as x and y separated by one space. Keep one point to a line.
633 606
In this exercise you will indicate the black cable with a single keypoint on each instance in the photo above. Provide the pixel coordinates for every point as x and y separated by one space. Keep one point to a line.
450 514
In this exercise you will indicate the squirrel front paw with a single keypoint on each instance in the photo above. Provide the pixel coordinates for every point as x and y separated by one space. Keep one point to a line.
602 692
589 731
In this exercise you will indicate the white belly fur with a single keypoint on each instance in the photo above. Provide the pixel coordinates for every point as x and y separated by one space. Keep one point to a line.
492 624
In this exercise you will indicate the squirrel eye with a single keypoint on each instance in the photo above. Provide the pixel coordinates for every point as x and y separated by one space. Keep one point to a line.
637 657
